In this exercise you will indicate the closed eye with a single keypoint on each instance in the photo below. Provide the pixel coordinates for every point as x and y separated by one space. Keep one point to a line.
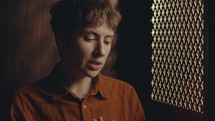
107 43
108 40
89 37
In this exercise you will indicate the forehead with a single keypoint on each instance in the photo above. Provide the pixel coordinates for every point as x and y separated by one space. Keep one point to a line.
103 29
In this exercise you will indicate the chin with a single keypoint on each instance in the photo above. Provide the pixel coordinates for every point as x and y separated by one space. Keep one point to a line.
92 74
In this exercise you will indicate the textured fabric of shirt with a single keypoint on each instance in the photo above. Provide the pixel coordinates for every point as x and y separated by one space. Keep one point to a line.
49 100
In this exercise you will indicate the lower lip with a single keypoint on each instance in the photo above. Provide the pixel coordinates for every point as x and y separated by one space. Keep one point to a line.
92 66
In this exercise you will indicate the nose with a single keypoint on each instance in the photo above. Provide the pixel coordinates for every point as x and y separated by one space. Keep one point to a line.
100 49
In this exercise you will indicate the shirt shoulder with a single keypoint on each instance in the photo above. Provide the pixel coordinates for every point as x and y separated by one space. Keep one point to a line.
117 85
35 90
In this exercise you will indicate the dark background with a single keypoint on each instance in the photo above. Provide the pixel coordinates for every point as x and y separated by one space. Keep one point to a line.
28 53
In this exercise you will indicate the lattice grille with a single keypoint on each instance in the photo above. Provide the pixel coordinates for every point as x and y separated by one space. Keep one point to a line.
178 53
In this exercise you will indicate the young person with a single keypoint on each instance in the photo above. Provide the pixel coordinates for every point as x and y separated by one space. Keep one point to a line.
76 90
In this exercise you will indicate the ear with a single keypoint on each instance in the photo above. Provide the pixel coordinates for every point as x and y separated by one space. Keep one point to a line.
61 40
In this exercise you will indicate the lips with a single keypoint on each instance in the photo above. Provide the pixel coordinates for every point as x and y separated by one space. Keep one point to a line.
94 65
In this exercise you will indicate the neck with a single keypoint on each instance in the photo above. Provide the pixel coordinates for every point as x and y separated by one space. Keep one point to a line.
78 84
80 87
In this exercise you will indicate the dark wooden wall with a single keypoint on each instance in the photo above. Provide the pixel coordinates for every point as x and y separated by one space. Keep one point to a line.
27 42
28 51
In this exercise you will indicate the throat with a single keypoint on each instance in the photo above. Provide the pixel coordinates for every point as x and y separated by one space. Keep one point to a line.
81 88
81 92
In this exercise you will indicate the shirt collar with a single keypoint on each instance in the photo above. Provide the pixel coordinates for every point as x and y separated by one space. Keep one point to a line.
56 87
58 90
101 87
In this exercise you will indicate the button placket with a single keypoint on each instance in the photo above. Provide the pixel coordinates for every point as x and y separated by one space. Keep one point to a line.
86 111
84 106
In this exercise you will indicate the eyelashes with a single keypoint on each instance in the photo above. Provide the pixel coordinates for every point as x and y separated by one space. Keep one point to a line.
92 37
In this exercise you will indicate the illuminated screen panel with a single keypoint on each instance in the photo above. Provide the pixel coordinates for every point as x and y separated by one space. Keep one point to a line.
178 53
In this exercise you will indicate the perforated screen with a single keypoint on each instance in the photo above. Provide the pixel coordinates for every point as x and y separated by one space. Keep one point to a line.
178 53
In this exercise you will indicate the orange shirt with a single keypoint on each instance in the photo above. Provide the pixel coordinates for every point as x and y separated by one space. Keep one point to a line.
48 100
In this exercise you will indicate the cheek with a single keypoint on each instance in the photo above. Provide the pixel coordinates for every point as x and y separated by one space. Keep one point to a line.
86 49
108 50
80 48
107 54
83 53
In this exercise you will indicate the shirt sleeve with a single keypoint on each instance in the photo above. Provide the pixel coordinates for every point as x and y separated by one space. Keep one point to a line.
137 109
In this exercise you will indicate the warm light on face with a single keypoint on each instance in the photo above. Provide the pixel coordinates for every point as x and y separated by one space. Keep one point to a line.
89 49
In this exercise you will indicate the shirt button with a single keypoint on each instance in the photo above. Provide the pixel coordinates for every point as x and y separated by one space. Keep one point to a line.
84 106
